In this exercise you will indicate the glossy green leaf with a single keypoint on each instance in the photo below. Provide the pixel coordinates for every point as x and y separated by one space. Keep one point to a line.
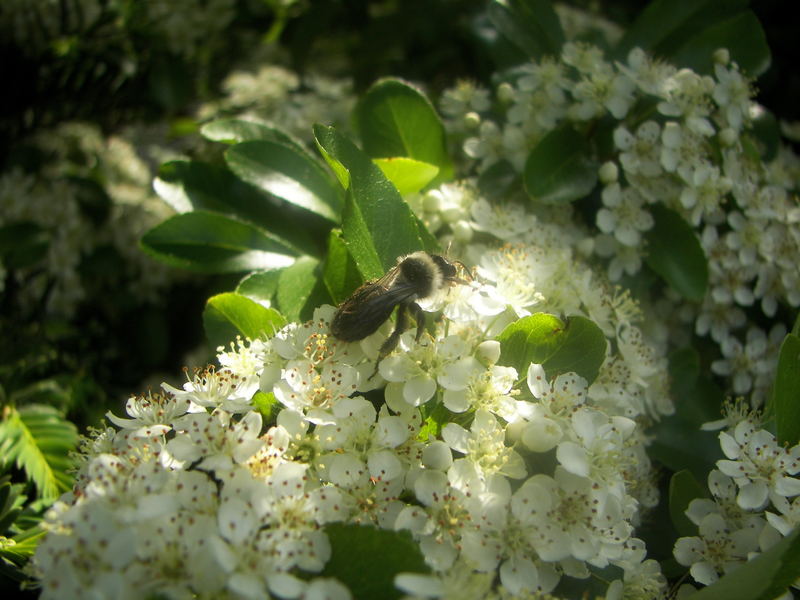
665 25
340 272
396 119
229 315
765 577
267 405
577 346
409 176
683 488
295 285
531 25
678 442
560 168
582 350
206 242
387 553
192 185
675 253
687 33
233 131
741 34
377 225
287 172
766 130
260 285
786 393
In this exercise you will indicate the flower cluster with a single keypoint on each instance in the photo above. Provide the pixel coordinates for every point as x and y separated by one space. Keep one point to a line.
58 199
265 90
693 152
755 499
531 477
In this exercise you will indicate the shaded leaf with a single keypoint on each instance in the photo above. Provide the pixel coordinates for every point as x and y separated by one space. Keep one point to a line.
295 285
386 552
560 168
211 243
683 488
340 272
531 25
785 402
675 253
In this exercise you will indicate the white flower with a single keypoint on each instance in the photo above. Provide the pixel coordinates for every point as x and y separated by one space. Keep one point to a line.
761 469
716 551
484 446
415 368
640 154
623 214
732 93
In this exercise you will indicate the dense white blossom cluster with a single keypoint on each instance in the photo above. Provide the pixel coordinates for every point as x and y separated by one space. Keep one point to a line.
51 199
755 500
519 476
682 140
265 90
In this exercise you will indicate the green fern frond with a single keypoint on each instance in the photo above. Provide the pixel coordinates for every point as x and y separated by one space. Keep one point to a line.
38 440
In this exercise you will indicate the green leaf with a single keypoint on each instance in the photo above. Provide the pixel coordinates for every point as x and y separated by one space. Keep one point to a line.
683 488
687 33
232 131
386 552
11 503
206 242
531 25
22 244
192 186
765 577
266 404
560 168
577 346
766 130
259 285
675 253
582 350
679 443
741 34
665 25
340 272
287 172
408 175
295 285
395 119
377 225
38 440
786 393
228 315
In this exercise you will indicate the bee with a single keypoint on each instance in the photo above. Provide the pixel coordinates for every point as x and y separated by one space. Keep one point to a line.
417 276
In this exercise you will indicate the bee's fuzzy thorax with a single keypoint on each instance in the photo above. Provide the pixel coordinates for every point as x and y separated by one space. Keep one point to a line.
420 269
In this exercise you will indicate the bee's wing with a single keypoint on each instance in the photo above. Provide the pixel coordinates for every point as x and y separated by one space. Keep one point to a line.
369 307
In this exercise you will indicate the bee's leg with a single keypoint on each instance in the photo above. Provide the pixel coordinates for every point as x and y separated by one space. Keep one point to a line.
390 343
419 317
